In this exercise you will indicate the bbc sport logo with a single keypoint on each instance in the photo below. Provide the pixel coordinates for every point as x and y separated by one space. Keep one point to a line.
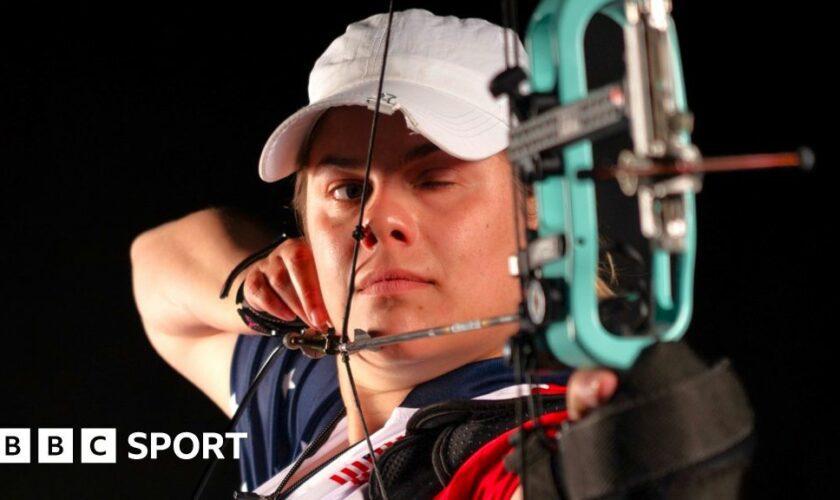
99 446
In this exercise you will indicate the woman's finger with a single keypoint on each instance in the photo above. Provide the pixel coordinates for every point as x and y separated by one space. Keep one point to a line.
588 389
277 274
261 296
300 263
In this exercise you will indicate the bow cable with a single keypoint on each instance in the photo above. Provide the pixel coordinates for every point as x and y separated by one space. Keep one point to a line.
359 233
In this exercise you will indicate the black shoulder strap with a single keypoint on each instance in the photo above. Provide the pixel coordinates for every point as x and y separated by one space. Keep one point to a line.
440 437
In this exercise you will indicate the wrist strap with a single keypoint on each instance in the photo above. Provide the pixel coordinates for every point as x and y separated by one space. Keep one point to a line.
258 321
262 322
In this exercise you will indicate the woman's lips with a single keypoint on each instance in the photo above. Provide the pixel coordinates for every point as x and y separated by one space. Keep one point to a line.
390 281
390 287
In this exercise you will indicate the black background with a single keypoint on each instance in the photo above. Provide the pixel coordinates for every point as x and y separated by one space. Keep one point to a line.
116 121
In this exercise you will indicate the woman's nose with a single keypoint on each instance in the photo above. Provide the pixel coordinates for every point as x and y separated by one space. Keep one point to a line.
388 220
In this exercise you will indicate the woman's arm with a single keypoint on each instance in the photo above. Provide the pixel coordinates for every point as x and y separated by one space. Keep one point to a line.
178 270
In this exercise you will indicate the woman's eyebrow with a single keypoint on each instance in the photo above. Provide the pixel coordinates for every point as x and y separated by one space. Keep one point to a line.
339 161
413 154
419 151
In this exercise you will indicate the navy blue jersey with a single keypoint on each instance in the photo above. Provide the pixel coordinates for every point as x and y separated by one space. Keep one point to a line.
299 397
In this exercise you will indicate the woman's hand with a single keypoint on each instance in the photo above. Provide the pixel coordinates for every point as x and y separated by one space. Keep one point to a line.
588 389
285 285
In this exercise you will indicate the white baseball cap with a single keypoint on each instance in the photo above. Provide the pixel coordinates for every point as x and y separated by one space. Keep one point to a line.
437 75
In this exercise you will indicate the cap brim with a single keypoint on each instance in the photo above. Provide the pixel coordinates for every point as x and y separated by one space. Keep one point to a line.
460 128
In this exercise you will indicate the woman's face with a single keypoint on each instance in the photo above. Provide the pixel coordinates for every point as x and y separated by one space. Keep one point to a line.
439 231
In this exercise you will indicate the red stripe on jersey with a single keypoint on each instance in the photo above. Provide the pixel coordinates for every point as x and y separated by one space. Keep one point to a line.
359 465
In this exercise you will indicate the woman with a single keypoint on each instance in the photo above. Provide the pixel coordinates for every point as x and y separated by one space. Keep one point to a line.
438 232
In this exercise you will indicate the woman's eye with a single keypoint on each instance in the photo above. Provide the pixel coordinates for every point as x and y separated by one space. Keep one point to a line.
435 178
349 191
435 184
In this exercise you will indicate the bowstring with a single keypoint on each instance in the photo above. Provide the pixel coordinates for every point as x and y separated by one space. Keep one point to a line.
358 234
519 210
522 369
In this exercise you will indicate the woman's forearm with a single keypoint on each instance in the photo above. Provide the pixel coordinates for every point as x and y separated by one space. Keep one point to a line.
178 270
